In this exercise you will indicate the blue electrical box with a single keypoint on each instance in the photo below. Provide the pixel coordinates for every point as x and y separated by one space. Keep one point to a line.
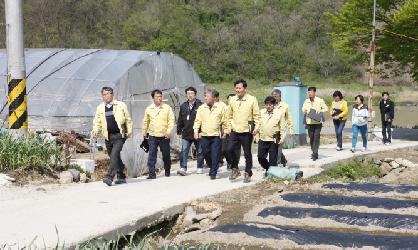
294 94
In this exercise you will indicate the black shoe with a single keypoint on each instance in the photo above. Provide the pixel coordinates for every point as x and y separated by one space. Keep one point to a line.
213 177
312 156
315 157
265 174
151 177
107 181
228 166
120 181
167 173
247 177
284 163
234 174
298 175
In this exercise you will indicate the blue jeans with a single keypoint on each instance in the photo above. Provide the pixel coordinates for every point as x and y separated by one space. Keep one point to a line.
210 148
184 155
363 132
339 126
164 144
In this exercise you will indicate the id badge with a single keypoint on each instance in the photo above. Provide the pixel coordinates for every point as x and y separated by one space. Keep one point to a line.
188 117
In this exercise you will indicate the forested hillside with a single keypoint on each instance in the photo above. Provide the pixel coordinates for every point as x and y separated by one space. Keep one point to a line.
268 40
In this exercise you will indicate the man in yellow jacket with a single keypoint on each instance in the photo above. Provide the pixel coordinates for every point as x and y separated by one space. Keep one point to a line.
284 109
208 125
158 124
314 108
272 133
244 118
113 122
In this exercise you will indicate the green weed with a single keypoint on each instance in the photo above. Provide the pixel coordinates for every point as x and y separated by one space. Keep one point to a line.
352 170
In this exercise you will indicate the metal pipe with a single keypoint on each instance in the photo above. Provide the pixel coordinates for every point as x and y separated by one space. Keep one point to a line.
372 71
18 116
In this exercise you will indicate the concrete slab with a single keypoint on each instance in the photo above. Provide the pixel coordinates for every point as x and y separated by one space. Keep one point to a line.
79 212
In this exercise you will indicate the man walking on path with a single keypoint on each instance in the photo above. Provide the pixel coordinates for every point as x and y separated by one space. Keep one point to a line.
284 109
158 123
244 118
210 120
272 133
387 113
185 123
113 121
314 109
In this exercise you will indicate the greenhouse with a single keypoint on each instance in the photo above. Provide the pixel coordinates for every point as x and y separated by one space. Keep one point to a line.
63 89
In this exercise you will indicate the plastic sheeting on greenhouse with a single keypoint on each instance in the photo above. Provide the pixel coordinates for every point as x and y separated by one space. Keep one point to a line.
63 88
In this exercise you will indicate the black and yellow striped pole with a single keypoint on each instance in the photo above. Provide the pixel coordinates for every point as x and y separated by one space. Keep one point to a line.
18 114
17 102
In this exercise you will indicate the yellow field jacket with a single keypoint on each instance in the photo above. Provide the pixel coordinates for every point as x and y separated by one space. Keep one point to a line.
122 117
158 121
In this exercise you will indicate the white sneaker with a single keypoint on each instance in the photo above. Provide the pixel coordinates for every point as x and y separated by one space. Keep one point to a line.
363 149
387 143
199 171
182 171
353 150
338 148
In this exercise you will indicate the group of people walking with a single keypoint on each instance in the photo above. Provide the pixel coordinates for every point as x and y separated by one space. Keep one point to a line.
359 119
221 130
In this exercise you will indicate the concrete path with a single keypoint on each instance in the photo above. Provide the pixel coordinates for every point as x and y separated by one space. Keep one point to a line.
72 214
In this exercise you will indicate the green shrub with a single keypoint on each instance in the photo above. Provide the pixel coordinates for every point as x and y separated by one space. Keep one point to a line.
27 152
352 170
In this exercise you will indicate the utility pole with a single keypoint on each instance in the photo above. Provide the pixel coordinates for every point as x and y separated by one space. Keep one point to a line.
16 76
372 71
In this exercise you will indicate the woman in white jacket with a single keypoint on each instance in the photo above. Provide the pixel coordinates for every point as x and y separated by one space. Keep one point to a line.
359 121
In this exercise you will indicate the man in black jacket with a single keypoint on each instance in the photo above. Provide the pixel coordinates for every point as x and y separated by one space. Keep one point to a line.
185 122
387 112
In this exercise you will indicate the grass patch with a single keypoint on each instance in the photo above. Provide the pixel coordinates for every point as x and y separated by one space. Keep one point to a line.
352 170
28 152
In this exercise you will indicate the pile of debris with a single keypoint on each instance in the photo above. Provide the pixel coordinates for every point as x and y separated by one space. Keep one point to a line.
6 180
73 175
199 215
398 171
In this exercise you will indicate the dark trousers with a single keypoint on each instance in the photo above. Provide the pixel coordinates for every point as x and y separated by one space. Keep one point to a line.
211 147
164 144
236 140
270 148
281 159
314 132
339 126
224 152
387 131
114 146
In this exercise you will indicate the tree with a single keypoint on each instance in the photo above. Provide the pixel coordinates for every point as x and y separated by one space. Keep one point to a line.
396 33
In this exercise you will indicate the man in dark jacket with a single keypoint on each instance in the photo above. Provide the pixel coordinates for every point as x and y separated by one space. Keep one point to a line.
185 123
387 112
